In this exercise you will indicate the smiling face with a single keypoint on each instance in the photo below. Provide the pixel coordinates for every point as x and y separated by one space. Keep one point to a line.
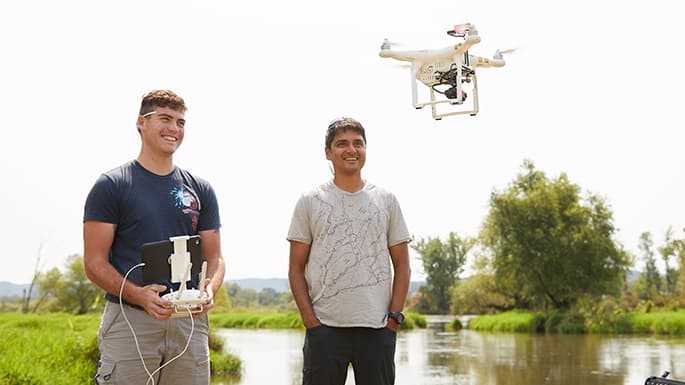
162 130
347 152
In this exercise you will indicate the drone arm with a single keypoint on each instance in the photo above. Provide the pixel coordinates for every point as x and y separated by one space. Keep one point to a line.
397 55
483 62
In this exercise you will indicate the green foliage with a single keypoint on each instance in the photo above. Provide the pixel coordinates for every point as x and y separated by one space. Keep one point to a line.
417 319
257 320
442 263
69 291
224 364
414 320
479 294
603 315
77 294
266 298
594 316
421 301
661 322
455 325
35 348
216 343
649 285
550 245
511 321
61 349
670 250
222 302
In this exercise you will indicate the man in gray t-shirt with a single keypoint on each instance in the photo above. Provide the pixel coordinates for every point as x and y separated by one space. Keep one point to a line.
349 268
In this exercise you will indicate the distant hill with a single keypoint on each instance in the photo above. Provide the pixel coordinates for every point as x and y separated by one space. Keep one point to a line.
278 284
12 290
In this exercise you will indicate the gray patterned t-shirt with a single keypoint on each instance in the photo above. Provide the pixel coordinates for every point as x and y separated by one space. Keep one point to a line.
349 271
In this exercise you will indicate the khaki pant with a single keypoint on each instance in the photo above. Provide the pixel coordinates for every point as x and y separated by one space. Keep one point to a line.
159 342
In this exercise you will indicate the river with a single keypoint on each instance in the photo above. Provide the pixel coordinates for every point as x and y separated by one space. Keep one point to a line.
434 357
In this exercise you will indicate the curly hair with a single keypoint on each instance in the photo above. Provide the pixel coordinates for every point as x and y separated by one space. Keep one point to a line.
162 98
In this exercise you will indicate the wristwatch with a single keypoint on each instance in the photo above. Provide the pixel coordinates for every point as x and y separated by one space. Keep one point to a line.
398 316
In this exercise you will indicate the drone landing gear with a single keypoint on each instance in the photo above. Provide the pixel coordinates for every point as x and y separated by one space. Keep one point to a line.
472 111
449 83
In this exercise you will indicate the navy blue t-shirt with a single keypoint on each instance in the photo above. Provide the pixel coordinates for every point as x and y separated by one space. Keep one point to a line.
146 207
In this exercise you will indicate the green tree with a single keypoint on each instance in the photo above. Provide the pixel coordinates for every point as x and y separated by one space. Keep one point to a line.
442 263
421 301
49 285
267 297
221 300
650 280
77 294
669 251
549 245
479 294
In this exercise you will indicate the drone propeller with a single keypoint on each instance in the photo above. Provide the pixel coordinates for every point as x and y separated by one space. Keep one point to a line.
387 44
498 54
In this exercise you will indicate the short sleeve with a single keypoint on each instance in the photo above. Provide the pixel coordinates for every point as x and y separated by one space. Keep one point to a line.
300 230
397 228
102 203
209 210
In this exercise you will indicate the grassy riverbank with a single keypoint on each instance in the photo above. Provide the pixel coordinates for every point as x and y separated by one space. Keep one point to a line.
273 320
657 322
61 349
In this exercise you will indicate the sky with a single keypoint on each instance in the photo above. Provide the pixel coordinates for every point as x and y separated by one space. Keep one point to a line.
593 91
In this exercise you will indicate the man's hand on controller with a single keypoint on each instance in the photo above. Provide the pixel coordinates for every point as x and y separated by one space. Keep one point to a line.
157 307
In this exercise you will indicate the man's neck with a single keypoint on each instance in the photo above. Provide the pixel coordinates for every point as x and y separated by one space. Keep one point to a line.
349 183
157 164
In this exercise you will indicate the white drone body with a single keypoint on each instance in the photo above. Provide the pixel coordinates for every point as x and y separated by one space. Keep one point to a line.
446 71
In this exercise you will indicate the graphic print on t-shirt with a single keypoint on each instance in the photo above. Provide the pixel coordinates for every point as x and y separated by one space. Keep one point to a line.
187 200
354 247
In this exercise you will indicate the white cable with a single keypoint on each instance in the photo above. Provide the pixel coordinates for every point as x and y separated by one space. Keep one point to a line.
135 339
192 327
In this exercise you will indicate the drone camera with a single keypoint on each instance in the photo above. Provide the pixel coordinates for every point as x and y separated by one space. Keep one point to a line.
451 93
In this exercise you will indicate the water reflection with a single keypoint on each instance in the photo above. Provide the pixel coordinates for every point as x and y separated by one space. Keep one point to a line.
435 357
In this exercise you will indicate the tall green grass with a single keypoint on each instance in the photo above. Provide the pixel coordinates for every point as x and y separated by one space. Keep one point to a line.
660 322
48 349
511 321
61 349
256 320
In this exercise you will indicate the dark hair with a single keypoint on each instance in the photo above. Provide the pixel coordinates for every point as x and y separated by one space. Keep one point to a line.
162 98
342 125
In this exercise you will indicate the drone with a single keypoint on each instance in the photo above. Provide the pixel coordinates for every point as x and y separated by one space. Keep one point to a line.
447 72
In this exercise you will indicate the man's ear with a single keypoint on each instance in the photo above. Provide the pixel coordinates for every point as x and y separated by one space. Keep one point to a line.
328 154
139 123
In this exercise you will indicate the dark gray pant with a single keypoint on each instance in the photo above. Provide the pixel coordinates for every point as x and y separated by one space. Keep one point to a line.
329 350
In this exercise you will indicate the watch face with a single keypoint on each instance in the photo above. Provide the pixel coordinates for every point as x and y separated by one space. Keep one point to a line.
397 316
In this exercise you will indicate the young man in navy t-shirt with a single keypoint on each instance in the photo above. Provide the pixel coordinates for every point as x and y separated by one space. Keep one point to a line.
146 200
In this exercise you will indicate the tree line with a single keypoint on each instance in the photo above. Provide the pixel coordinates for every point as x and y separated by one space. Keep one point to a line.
544 244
